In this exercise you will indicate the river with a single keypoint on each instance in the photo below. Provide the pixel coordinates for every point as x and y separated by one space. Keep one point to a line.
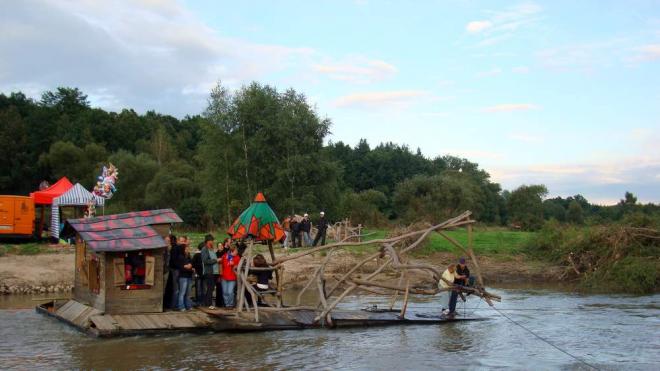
606 331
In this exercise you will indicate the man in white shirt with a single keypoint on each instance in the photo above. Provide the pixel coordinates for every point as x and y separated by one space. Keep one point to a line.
447 281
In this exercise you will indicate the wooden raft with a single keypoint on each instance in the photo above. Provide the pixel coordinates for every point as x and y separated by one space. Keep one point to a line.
97 323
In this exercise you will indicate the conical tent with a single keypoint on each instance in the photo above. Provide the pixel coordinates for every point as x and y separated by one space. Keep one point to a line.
257 221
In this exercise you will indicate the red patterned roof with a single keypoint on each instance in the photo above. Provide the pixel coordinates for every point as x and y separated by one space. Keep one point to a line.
122 232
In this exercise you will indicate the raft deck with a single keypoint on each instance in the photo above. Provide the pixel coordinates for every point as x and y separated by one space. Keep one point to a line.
99 324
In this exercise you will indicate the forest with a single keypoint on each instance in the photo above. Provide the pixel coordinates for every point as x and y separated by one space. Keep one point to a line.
208 166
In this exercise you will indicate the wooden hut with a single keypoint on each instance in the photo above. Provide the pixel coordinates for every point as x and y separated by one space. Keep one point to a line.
120 260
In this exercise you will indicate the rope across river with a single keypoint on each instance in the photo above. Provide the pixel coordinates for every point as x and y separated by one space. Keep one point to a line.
545 340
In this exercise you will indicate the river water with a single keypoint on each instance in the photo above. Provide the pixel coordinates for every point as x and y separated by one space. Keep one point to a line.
606 331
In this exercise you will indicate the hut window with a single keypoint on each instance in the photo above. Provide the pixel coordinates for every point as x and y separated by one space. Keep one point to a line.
134 271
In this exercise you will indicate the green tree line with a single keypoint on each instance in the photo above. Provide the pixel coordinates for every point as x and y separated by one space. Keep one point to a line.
209 166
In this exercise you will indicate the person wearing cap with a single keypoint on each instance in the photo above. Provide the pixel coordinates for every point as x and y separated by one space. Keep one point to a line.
211 269
322 227
463 271
305 228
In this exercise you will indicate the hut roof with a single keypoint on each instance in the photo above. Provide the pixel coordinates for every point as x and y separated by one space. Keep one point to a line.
122 232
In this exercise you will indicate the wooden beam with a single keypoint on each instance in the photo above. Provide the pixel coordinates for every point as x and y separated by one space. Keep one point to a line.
447 224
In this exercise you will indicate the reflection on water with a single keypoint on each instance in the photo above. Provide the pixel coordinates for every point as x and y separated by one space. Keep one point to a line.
612 332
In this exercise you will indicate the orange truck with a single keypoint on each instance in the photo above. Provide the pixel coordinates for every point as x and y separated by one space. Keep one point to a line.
16 216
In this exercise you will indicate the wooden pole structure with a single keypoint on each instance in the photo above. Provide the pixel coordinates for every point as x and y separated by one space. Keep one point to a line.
405 300
272 259
454 222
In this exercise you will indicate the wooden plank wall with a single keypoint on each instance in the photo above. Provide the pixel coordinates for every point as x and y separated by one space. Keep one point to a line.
118 301
81 290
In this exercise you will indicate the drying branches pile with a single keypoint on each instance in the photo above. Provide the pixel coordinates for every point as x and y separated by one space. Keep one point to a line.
605 257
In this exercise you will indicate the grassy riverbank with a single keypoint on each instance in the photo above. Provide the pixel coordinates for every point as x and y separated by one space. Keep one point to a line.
598 259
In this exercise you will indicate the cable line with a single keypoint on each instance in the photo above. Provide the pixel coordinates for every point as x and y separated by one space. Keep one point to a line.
545 340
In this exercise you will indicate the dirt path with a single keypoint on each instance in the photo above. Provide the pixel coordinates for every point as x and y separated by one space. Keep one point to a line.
36 273
54 272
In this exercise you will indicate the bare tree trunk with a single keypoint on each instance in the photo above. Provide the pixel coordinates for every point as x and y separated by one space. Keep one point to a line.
245 152
227 185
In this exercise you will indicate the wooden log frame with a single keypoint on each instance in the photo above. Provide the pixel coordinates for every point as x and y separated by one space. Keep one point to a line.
387 257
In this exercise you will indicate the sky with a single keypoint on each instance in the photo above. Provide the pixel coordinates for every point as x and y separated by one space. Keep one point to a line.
562 93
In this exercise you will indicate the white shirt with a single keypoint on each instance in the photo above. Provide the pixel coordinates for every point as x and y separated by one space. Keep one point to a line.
449 276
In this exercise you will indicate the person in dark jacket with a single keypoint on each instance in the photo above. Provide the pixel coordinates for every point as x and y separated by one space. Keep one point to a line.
322 227
174 272
263 278
241 246
184 266
210 269
463 270
169 286
295 233
198 275
305 228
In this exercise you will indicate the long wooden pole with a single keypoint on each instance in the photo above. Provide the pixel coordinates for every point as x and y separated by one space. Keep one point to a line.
349 290
405 300
454 222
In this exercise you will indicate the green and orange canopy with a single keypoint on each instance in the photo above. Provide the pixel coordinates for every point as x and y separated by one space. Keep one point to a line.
257 221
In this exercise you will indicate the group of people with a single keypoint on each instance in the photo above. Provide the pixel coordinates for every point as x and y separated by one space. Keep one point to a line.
455 274
298 232
212 270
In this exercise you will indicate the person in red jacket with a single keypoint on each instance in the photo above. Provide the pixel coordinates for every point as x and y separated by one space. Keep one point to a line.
230 262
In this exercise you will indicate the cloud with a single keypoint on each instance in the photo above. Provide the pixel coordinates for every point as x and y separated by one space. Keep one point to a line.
478 26
520 69
502 25
597 181
490 73
148 55
141 54
584 57
381 99
510 107
646 53
523 137
357 70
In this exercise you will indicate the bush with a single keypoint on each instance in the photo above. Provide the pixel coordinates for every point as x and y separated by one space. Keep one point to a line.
365 207
615 257
191 211
636 275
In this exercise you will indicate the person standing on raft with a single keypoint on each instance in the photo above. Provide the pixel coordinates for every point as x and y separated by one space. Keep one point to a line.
449 276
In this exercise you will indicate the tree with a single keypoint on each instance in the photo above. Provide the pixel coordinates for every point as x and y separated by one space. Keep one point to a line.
135 173
191 210
365 207
171 185
553 209
65 100
274 141
629 199
436 198
80 165
574 213
15 159
525 206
